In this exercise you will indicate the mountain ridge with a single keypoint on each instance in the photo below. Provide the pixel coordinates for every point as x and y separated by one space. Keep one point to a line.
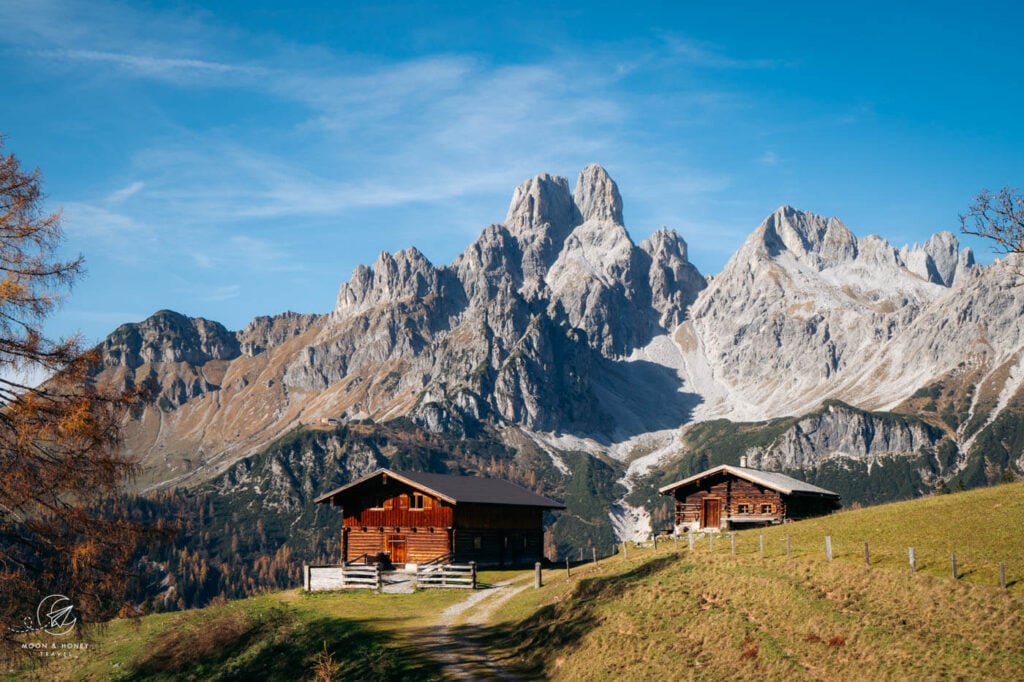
557 326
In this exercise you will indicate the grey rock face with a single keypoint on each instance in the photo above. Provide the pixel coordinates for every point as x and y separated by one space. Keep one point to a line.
940 260
540 217
168 337
804 311
597 196
266 332
674 282
815 240
841 432
407 274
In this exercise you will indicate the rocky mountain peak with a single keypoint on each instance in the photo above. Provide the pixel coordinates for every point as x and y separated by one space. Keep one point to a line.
543 200
540 217
939 260
674 282
812 239
597 196
406 274
167 336
666 244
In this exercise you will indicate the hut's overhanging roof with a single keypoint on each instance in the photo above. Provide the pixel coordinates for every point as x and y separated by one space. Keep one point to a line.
786 485
456 489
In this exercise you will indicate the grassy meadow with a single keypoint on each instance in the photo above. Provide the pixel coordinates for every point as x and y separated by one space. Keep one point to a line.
710 614
665 613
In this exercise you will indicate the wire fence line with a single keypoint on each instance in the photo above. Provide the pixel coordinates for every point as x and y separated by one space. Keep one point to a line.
958 565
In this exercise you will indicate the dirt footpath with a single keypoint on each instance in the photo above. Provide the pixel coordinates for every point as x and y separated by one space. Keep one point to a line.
463 660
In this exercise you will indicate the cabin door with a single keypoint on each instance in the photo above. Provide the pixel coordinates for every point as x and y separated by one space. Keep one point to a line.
712 516
397 549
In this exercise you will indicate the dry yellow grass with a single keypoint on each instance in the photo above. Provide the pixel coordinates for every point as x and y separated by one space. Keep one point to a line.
709 616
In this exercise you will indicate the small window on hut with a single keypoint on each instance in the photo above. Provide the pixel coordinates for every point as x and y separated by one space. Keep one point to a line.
415 501
743 508
767 508
478 542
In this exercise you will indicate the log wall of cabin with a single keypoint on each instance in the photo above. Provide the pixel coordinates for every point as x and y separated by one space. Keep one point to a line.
420 544
733 492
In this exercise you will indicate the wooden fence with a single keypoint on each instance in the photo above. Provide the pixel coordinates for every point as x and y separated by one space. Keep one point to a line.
341 577
447 576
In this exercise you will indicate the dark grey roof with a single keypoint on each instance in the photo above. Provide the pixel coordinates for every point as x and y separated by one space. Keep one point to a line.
769 479
456 489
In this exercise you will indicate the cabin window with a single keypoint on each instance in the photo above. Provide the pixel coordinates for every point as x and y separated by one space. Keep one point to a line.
767 508
415 501
378 502
743 508
478 542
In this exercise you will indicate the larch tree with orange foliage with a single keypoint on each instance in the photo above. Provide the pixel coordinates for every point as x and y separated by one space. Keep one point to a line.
60 468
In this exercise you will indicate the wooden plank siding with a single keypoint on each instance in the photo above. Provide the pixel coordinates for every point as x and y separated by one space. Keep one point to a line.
741 502
421 544
392 505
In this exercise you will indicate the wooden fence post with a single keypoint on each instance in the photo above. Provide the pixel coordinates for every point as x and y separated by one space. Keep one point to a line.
537 576
913 560
568 572
675 544
760 545
711 542
828 547
732 543
594 552
689 536
787 547
581 555
954 565
867 557
305 577
625 550
473 564
1002 575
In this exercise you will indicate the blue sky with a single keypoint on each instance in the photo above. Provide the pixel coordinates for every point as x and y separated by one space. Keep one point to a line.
233 159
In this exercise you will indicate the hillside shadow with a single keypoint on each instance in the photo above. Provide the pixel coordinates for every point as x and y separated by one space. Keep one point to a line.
277 645
639 396
526 647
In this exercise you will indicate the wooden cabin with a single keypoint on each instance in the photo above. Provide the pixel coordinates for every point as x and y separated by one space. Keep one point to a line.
726 497
415 517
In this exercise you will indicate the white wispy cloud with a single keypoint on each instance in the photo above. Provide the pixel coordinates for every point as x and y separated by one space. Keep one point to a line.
154 66
123 194
704 55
